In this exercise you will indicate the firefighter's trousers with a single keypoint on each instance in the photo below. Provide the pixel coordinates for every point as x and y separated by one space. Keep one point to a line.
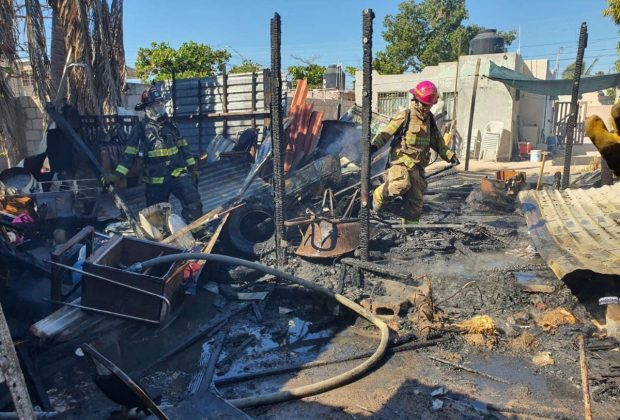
183 189
406 183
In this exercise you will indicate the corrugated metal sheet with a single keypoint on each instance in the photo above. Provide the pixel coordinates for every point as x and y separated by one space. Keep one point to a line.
576 229
220 182
195 98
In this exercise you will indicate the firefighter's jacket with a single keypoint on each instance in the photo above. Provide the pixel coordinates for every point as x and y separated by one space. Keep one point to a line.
164 151
412 145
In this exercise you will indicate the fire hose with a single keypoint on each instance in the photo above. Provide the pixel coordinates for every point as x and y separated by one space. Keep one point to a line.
305 390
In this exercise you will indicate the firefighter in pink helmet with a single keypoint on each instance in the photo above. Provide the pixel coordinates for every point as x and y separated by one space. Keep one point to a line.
414 133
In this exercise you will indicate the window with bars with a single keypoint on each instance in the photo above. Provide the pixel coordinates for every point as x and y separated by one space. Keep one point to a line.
26 78
389 103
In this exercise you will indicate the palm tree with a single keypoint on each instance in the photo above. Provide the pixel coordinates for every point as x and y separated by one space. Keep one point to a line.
569 71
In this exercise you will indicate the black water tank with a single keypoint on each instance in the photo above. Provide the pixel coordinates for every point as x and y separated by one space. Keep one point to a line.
487 42
333 77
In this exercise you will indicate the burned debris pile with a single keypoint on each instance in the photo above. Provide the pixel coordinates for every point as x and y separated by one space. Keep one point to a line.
461 286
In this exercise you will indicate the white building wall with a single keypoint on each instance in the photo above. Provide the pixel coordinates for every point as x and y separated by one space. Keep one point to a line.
494 102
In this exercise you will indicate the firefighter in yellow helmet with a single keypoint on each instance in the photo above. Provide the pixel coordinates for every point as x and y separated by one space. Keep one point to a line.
414 133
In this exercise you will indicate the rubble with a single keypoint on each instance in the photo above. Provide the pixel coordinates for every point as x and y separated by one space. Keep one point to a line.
465 287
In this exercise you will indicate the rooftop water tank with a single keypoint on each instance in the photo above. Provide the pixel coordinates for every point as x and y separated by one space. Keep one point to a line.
487 42
334 77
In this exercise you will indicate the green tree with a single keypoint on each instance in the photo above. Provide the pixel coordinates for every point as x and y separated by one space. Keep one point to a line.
246 66
569 71
425 34
191 60
351 70
613 11
311 72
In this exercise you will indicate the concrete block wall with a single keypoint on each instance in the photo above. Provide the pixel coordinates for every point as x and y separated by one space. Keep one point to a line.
34 124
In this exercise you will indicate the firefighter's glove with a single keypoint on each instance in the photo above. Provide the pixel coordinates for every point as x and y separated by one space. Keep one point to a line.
454 160
110 179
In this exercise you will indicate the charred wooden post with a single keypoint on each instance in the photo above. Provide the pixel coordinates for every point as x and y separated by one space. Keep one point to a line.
572 117
11 373
276 138
585 385
368 16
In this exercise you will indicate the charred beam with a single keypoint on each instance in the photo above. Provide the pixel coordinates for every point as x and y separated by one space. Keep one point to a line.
368 16
276 138
572 117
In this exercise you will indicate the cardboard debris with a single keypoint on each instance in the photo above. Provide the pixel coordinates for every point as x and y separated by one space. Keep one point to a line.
479 324
552 319
543 359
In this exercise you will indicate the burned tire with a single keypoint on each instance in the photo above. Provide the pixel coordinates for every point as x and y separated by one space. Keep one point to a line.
251 228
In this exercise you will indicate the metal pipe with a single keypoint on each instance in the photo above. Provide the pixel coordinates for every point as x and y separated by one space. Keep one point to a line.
277 134
224 100
200 148
102 311
572 117
174 93
367 17
471 114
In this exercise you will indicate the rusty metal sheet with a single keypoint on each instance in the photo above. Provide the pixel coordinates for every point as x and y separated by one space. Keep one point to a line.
220 182
326 239
575 229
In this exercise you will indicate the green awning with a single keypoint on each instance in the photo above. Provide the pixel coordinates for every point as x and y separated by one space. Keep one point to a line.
550 87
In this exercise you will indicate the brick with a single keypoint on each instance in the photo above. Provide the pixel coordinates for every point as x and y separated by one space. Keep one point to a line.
33 135
32 113
385 305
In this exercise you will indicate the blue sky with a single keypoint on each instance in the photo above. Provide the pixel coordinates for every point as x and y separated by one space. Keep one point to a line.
329 31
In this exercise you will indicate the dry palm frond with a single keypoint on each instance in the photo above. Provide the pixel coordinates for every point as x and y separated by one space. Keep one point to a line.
118 49
12 136
8 31
37 51
93 34
12 122
105 74
74 18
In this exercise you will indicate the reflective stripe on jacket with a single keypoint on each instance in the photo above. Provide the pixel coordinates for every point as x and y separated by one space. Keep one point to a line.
164 151
415 143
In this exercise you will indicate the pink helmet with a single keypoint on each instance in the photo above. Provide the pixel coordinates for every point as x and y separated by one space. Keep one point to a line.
425 92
